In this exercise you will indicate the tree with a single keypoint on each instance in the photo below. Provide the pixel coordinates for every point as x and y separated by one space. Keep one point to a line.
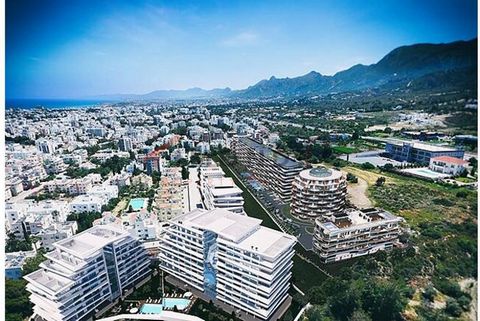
132 155
352 178
360 315
387 130
453 308
388 167
380 181
367 165
32 263
429 293
17 302
382 300
84 220
14 245
156 176
184 172
195 159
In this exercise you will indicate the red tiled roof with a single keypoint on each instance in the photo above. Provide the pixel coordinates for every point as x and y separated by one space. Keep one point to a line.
450 159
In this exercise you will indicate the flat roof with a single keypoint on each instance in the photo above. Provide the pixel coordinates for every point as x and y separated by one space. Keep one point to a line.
245 231
423 146
354 219
320 174
280 159
91 240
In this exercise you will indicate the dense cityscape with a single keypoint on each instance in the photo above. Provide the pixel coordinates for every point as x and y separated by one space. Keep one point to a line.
241 161
222 208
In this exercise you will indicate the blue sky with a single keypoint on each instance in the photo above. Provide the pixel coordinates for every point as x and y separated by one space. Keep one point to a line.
66 49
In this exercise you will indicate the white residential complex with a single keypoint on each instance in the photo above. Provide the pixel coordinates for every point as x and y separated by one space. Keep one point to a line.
85 271
355 233
272 168
219 191
231 258
318 192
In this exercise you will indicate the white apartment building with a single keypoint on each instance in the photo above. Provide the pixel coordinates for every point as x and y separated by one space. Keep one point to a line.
318 192
222 192
231 258
355 233
103 155
272 168
75 186
87 203
447 165
45 146
31 217
85 271
125 144
56 232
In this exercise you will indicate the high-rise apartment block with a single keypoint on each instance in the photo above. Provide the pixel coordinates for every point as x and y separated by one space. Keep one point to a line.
272 168
231 258
85 271
318 192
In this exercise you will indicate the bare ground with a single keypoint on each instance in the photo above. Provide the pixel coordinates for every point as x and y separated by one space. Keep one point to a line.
357 194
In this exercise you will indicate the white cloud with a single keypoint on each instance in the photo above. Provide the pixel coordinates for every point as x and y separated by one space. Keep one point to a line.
242 39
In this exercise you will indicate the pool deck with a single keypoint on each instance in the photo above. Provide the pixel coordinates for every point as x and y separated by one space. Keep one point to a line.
228 308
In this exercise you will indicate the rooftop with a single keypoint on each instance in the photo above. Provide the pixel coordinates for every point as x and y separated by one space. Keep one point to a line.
91 240
354 219
320 174
245 231
450 160
423 146
280 159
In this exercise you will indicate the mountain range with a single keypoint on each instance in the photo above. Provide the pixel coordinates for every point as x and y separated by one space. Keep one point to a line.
415 67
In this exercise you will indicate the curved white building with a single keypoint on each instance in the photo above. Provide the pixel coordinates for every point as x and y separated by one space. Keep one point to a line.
318 193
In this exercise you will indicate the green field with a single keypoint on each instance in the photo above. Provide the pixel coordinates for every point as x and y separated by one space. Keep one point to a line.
344 150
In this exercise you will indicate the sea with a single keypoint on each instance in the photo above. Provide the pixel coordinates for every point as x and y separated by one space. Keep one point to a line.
51 103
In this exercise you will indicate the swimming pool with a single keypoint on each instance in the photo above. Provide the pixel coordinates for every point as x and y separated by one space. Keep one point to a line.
167 303
138 204
151 308
181 303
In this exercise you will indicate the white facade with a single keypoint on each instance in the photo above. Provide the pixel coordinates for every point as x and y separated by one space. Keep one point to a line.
231 258
318 192
84 271
272 168
87 203
356 233
447 165
222 192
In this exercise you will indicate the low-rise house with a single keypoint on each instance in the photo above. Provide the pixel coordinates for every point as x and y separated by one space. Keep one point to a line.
14 263
87 203
142 180
448 165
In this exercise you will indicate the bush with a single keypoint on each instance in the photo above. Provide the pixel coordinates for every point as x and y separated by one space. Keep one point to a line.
429 293
367 165
450 288
461 194
453 308
380 181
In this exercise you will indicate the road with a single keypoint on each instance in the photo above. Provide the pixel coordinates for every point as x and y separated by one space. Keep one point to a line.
273 206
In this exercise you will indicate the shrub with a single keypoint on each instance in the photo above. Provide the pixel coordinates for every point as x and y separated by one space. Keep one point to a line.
453 308
429 293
